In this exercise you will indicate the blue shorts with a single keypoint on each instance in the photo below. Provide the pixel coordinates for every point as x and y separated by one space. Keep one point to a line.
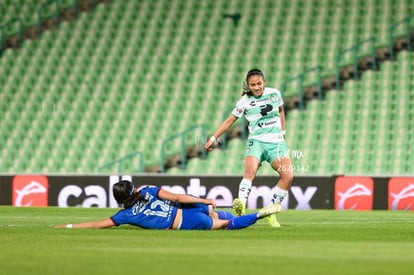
196 217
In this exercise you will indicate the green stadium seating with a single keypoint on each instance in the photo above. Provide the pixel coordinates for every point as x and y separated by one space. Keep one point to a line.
365 128
132 73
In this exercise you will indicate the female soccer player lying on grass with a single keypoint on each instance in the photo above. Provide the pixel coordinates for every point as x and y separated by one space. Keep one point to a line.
152 207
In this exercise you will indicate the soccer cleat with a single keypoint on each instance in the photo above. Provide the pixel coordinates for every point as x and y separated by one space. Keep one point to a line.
239 207
273 221
270 210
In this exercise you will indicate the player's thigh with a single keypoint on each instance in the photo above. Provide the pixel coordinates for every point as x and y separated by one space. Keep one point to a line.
251 165
276 151
253 158
213 214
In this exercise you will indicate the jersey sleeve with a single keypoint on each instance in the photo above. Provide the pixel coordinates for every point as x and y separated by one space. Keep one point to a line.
150 189
239 108
120 218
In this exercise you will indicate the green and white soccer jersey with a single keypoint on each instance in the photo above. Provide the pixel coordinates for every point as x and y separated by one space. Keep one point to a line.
263 116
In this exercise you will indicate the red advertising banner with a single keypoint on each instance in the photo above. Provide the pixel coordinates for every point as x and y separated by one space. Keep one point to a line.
401 194
354 193
30 191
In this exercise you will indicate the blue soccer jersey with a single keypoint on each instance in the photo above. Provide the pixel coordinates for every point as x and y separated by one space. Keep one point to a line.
154 214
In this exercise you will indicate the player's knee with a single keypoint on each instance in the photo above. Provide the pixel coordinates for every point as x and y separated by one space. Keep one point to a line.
219 224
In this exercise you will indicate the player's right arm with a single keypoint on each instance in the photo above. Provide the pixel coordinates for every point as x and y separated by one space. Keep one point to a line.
235 114
98 224
222 129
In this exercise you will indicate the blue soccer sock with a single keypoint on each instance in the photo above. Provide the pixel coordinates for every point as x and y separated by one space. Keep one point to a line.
242 221
224 215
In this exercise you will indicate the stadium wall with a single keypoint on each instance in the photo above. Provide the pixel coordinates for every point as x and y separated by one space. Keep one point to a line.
336 192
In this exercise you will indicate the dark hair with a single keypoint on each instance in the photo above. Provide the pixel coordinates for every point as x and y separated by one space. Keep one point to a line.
246 90
124 195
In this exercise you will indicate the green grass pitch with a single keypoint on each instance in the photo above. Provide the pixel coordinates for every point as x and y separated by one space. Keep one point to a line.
309 242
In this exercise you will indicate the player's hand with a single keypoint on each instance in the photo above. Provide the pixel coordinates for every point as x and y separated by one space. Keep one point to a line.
208 145
211 202
60 226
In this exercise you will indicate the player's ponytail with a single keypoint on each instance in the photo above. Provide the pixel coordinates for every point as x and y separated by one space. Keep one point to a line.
246 90
245 87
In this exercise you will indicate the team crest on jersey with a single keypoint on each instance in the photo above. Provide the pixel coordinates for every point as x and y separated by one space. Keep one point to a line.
273 98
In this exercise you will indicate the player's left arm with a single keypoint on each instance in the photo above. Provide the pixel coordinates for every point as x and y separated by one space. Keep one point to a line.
282 120
98 224
182 198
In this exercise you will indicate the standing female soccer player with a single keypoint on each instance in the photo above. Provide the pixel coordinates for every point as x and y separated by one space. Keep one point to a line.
152 207
263 109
